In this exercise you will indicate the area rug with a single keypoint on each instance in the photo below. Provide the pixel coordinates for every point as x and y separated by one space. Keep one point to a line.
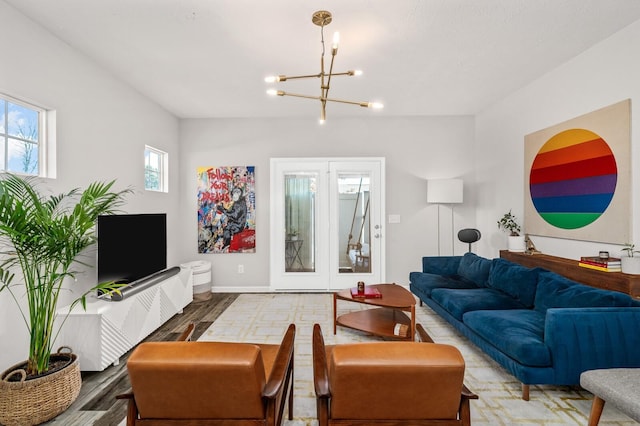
263 318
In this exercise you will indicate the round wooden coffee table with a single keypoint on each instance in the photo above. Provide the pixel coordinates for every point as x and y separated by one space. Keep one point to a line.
384 320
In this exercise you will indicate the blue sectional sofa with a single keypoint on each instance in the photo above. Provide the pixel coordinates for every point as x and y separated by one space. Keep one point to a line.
540 326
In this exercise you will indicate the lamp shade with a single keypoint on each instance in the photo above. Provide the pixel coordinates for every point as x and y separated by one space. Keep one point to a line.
444 191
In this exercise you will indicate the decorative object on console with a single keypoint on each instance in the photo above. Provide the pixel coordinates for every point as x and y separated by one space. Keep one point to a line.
630 263
573 170
226 209
44 236
445 191
321 18
530 247
599 263
515 240
591 265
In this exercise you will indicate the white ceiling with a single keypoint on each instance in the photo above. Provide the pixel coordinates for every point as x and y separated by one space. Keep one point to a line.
208 58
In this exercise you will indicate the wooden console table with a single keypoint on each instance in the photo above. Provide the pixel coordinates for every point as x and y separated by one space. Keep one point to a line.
617 281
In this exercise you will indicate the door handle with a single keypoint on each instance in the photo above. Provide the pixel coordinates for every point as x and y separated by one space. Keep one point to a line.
376 235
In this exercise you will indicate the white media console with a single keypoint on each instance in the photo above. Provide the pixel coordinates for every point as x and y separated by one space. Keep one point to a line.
107 329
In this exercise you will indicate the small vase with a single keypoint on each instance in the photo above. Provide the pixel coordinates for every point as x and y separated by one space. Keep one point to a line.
516 243
630 265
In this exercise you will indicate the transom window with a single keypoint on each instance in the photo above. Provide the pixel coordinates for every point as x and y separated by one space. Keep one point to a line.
22 136
155 169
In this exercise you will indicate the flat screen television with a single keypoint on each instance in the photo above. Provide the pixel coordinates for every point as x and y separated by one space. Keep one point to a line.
131 246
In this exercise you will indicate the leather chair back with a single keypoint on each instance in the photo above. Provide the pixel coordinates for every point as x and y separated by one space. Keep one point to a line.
395 380
197 380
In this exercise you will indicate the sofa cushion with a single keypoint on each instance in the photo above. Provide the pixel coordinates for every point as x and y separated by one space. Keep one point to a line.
459 301
475 269
518 333
441 265
556 291
427 282
516 280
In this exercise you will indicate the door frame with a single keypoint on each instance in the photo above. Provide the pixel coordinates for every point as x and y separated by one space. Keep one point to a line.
326 276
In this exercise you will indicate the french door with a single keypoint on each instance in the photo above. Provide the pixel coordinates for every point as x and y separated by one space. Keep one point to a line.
326 223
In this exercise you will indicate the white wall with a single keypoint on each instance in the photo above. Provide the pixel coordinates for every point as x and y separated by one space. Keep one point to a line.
603 75
415 149
102 127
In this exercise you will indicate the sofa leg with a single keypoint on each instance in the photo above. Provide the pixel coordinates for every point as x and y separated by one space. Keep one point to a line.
525 392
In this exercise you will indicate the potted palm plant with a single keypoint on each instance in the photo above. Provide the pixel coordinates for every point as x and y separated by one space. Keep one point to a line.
630 263
41 238
509 224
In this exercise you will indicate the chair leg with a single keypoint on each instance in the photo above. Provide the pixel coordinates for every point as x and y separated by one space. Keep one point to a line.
525 392
465 412
596 410
291 392
132 412
322 410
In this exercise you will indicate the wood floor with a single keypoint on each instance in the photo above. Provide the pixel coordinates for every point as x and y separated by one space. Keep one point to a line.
96 405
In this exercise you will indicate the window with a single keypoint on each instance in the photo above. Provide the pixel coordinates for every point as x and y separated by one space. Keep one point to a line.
22 137
155 170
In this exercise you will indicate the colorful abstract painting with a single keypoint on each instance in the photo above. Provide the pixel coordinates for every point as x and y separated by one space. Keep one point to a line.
577 177
226 209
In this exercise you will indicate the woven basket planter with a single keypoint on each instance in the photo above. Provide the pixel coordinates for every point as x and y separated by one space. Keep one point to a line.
32 402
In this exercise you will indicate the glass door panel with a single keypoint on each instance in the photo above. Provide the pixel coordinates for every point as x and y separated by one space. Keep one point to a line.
299 230
354 224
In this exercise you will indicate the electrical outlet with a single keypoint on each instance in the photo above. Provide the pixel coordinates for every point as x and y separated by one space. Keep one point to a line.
241 269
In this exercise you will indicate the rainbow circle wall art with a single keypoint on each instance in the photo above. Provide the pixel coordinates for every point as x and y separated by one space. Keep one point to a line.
573 178
577 177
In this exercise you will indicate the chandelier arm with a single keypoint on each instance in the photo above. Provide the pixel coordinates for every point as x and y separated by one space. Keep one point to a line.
297 95
328 86
293 77
347 73
321 99
342 101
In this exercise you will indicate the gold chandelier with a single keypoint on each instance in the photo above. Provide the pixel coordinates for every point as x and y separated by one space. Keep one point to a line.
321 18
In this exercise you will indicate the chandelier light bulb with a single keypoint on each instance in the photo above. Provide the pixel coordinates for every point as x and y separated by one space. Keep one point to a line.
375 105
275 78
272 92
336 39
357 72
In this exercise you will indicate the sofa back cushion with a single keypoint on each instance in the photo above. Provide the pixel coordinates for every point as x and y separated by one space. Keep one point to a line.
441 265
516 280
475 269
556 291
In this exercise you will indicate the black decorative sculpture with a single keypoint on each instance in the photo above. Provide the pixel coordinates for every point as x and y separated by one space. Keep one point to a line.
469 235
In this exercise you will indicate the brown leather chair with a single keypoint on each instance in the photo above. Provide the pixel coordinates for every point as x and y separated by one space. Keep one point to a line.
210 383
390 383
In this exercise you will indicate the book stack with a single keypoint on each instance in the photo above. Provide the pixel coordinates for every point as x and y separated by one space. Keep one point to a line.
366 293
611 264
